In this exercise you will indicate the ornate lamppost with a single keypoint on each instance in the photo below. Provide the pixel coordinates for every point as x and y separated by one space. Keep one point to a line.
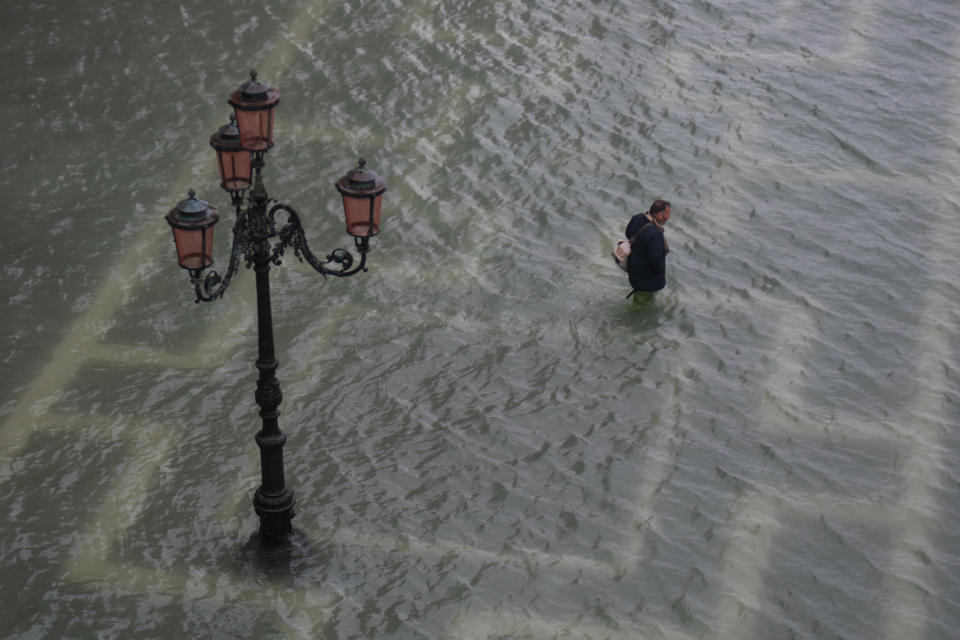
259 240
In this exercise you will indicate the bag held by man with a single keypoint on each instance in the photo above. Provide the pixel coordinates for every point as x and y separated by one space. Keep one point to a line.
621 252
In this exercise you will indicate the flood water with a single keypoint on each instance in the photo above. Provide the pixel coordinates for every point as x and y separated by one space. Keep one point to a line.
485 438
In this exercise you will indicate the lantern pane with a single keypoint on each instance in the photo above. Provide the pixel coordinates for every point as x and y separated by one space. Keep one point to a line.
363 215
194 247
256 128
236 169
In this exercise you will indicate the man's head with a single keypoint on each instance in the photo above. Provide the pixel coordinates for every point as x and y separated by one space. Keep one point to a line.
660 211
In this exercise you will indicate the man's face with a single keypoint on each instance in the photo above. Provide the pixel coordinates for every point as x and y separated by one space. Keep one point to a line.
663 216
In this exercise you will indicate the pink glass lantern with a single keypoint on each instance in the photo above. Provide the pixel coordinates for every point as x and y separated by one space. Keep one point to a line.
233 161
192 221
253 103
362 190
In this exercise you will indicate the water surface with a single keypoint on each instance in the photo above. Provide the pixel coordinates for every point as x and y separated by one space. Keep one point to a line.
486 439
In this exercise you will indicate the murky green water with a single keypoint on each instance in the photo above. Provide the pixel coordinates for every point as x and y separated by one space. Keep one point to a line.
485 439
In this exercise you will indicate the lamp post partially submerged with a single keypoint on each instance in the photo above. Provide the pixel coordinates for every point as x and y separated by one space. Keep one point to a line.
260 241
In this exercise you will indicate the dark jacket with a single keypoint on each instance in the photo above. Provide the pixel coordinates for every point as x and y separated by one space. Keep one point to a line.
647 264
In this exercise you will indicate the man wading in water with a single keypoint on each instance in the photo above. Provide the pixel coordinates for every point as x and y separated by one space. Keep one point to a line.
647 264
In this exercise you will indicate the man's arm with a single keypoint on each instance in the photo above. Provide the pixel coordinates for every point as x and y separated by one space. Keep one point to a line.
656 257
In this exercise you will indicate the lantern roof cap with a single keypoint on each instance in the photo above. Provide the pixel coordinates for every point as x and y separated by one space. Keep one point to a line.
227 137
192 213
254 94
192 204
361 182
254 90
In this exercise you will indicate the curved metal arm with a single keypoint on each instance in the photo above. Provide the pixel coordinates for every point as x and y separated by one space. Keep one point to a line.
292 235
214 285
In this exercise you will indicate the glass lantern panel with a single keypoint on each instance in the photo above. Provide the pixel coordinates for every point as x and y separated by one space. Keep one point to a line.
358 214
194 247
236 169
256 129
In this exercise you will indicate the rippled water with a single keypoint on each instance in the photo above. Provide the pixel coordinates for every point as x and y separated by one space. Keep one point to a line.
486 439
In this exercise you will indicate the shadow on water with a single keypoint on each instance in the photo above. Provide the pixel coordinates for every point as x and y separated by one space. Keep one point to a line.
279 562
644 312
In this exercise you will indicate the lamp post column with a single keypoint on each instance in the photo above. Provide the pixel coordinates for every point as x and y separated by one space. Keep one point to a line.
273 500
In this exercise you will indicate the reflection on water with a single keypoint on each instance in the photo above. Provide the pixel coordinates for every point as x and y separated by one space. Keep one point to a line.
486 438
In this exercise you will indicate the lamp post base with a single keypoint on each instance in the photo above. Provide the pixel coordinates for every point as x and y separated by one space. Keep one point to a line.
275 513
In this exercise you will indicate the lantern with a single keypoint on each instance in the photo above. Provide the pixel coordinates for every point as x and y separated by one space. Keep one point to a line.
192 221
362 190
253 103
236 166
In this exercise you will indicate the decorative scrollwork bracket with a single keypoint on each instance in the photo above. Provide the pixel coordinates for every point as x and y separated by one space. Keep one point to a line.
292 237
212 286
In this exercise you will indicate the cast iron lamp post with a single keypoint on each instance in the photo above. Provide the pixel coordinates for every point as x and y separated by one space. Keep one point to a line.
259 240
